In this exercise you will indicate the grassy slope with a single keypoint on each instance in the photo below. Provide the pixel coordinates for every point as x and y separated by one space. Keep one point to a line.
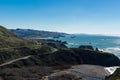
8 39
12 46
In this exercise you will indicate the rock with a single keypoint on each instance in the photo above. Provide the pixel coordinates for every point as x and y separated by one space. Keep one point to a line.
80 56
89 47
115 76
80 72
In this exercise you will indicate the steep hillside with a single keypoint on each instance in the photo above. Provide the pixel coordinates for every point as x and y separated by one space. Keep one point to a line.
8 39
30 33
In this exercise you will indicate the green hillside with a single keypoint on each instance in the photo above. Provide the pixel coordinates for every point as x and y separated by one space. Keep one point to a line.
8 39
13 47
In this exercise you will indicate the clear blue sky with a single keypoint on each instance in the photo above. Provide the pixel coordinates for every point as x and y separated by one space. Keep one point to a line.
71 16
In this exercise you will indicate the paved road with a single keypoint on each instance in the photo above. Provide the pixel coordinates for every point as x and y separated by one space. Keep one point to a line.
9 62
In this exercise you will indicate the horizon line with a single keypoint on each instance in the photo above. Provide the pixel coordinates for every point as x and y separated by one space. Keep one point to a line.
72 33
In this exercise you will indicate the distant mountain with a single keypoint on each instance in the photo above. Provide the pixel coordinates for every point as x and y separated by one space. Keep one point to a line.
30 33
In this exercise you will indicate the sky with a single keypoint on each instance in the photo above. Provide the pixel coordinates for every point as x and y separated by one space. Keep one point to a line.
70 16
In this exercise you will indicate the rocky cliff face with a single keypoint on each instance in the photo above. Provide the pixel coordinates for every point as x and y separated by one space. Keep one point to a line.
78 56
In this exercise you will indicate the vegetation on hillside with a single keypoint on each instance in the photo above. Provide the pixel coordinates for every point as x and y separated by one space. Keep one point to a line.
48 55
8 39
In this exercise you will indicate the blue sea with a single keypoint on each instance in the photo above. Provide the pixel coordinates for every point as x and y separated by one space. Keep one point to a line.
104 43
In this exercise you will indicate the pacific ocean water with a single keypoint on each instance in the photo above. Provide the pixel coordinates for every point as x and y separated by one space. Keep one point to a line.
104 43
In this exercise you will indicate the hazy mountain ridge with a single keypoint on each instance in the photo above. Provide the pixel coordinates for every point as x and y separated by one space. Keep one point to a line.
30 33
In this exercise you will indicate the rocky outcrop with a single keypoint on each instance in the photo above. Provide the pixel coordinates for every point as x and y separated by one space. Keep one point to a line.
86 47
77 56
114 76
67 56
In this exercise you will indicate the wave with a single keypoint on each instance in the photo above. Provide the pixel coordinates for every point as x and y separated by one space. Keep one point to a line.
114 50
111 70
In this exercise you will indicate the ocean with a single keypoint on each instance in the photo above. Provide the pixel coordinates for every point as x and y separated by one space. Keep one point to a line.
104 43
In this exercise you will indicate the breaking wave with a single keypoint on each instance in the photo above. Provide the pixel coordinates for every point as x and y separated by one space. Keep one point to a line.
114 50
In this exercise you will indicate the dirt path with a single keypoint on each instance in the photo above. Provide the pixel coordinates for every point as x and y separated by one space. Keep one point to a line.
9 62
